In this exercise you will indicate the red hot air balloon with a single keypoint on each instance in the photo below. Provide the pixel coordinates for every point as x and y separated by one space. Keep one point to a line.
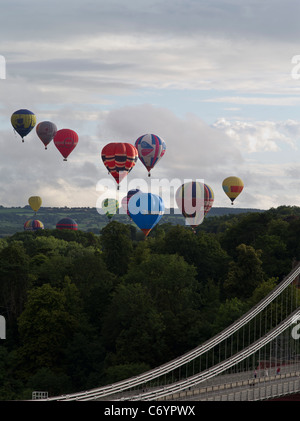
119 159
65 140
125 199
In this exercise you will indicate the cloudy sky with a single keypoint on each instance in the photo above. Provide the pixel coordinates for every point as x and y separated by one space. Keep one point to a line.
218 80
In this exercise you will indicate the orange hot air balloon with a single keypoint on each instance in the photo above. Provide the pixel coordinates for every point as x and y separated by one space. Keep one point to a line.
65 140
119 159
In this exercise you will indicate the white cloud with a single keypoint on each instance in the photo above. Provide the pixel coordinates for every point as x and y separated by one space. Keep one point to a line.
261 135
270 101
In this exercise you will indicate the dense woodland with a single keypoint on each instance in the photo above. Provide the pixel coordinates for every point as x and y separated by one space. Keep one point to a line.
85 309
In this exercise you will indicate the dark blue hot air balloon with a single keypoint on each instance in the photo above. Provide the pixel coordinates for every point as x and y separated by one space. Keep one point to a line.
23 121
67 223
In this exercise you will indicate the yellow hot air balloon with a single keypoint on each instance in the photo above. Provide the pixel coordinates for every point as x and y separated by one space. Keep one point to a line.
232 186
35 202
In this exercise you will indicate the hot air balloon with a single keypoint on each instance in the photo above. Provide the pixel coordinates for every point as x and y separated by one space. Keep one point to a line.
208 198
119 159
151 149
23 121
35 203
126 198
33 225
232 186
146 210
67 223
65 140
110 207
46 132
194 199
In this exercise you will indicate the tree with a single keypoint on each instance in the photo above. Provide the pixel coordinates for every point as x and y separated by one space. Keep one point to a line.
117 246
293 243
274 255
14 279
133 327
89 273
47 380
172 285
229 311
202 250
246 231
84 359
245 273
262 290
120 372
47 324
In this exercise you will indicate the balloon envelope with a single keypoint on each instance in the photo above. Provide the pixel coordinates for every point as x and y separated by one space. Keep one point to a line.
125 199
46 132
33 225
65 140
110 207
23 121
194 199
67 223
151 149
119 159
208 198
232 187
35 203
146 210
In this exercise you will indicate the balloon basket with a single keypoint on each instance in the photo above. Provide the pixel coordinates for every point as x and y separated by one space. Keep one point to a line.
65 159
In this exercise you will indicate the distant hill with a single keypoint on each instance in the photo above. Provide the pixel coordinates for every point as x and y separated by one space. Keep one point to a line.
12 219
232 210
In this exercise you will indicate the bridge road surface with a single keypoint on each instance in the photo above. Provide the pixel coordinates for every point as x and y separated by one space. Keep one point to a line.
243 387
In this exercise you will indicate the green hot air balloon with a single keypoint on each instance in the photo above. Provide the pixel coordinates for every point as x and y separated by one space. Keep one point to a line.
110 207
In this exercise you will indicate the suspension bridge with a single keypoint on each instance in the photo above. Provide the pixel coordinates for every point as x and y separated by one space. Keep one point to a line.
255 358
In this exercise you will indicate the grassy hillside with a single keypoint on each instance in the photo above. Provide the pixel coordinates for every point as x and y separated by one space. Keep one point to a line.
88 219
